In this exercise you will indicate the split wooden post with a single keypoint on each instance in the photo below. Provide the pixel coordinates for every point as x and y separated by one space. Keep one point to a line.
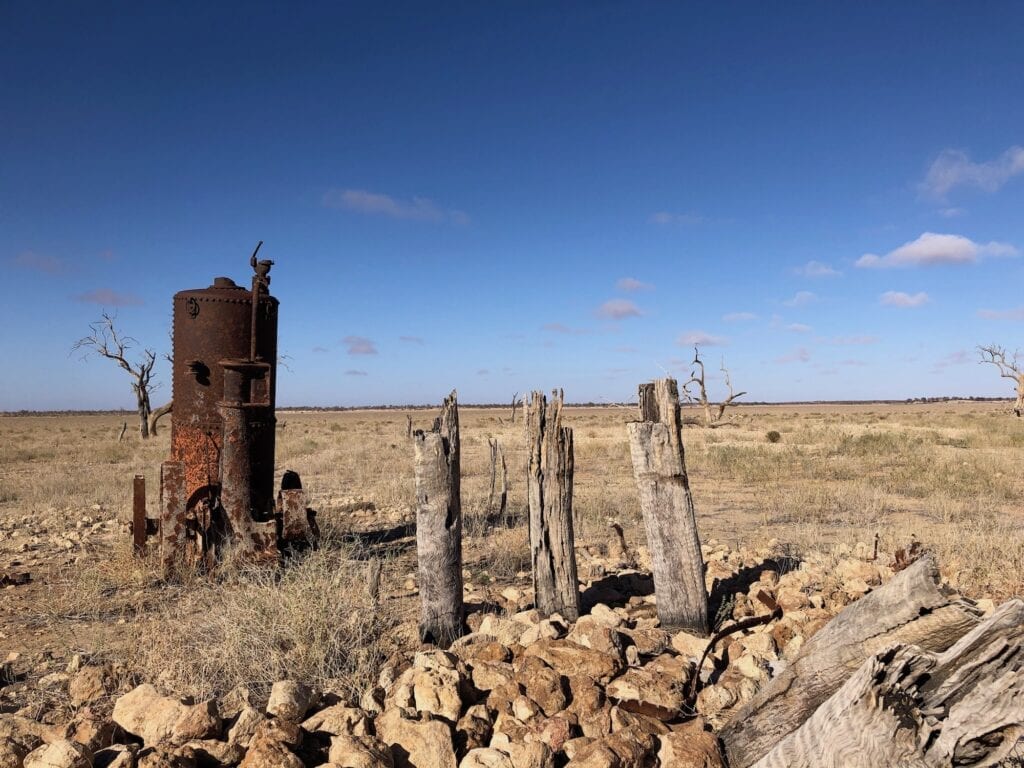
549 487
659 466
439 527
497 499
912 608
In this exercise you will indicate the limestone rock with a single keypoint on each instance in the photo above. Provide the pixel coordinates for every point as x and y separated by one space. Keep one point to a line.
59 754
245 726
338 720
416 744
159 719
348 751
690 746
573 659
89 684
649 693
290 700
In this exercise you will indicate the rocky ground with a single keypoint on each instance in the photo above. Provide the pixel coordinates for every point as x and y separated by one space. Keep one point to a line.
612 690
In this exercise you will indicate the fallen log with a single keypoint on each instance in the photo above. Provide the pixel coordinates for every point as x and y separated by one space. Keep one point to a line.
912 708
911 609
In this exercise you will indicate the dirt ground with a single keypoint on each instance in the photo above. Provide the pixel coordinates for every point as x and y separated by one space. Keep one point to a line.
947 474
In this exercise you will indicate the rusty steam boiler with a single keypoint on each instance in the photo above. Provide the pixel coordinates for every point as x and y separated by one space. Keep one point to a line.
217 488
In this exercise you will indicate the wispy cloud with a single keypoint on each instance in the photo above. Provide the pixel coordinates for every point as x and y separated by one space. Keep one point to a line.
852 341
931 248
901 299
483 372
1002 314
109 298
379 204
632 285
320 350
853 363
354 372
359 345
951 213
799 328
739 317
959 357
689 218
954 168
814 269
799 355
411 339
701 339
39 262
801 299
618 309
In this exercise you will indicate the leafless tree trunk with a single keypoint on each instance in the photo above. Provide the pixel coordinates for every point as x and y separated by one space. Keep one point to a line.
711 418
1008 369
516 402
439 527
659 466
105 341
910 707
549 487
912 608
158 414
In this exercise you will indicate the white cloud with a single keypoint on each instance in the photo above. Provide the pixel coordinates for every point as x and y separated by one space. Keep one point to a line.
376 203
801 299
931 248
739 317
1002 314
631 285
953 168
700 339
901 299
618 309
359 345
109 298
799 328
686 219
951 213
354 372
817 269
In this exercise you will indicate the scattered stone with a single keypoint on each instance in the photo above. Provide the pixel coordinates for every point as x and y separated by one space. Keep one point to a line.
290 700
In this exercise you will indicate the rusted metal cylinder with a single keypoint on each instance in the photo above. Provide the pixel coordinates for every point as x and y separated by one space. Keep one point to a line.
210 325
246 492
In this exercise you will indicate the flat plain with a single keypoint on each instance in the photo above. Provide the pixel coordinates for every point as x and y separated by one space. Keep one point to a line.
946 474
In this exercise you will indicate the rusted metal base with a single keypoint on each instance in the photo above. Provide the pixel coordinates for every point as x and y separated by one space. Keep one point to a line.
173 520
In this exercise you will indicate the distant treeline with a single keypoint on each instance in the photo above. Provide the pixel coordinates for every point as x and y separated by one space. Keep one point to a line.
505 406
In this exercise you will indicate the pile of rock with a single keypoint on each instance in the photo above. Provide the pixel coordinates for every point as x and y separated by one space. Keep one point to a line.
612 690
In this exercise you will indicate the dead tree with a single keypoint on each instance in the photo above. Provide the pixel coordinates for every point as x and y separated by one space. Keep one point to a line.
516 402
910 707
1008 369
912 608
158 414
711 417
105 341
659 466
497 499
549 488
439 527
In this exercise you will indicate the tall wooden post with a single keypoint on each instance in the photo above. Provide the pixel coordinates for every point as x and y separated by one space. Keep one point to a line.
139 526
549 486
439 527
659 466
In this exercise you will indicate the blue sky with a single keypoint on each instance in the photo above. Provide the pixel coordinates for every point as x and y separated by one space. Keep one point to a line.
499 197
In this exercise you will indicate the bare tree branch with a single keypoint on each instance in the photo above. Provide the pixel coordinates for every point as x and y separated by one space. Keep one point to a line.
697 377
105 341
993 354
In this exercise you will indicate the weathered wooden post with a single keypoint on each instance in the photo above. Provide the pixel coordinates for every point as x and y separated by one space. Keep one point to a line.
139 526
659 466
439 527
497 499
549 487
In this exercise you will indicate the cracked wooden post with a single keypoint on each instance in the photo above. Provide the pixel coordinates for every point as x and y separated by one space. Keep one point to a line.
549 487
659 466
497 499
439 527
